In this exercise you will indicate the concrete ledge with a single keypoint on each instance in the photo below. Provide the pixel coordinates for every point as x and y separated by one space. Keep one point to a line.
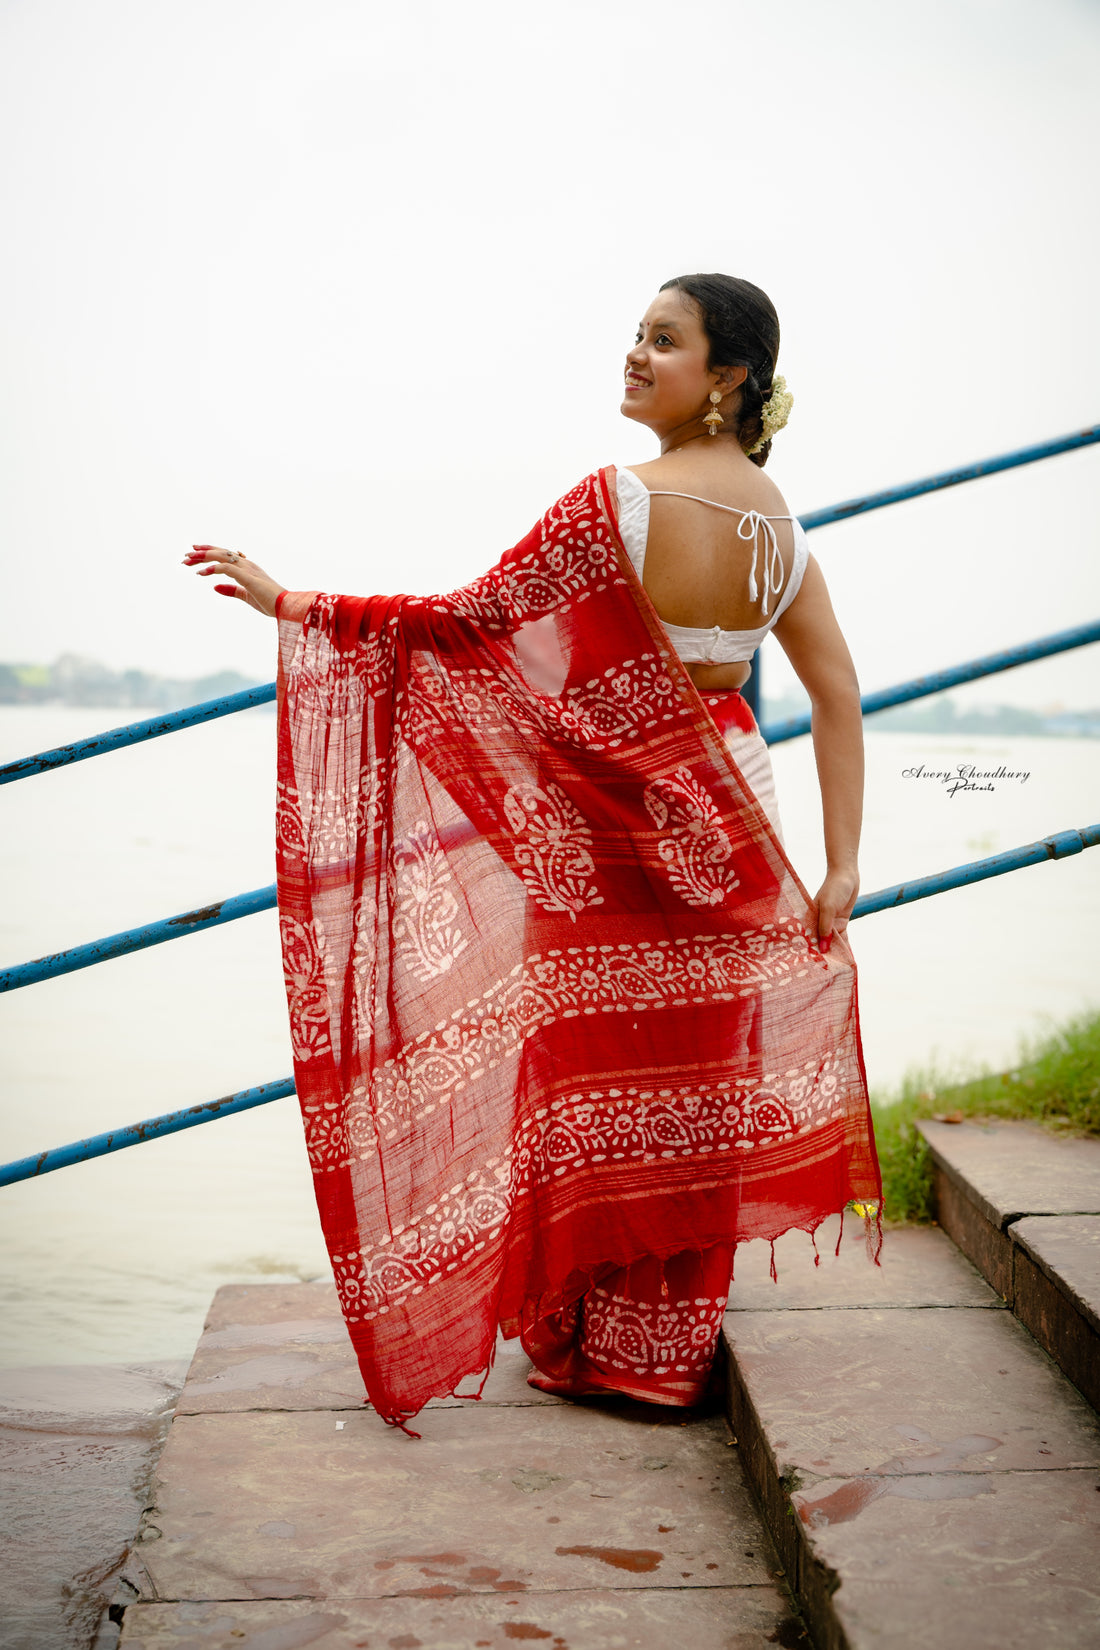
966 1224
1009 1169
1024 1205
1066 1249
1056 1292
281 1347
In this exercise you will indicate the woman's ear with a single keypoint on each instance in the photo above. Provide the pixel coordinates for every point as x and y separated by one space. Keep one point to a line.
731 378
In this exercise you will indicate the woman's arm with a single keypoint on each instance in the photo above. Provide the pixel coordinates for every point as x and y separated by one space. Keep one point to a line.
812 640
252 584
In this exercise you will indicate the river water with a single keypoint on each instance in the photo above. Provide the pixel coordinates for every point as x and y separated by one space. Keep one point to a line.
115 1261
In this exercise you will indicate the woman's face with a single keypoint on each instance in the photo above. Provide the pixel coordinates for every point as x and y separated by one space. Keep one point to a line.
667 379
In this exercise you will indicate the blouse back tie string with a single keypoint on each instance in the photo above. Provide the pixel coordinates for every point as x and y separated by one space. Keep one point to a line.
750 528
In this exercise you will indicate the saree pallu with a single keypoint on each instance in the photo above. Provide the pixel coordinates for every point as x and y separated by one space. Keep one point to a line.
650 1330
555 1005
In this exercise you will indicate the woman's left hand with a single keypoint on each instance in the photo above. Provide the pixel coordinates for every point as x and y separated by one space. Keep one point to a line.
832 907
252 585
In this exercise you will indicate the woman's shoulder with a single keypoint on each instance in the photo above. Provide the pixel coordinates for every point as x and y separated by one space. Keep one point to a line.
738 487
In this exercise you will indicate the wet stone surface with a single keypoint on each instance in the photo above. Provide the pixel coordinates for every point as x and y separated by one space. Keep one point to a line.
287 1514
499 1499
719 1618
1008 1561
77 1446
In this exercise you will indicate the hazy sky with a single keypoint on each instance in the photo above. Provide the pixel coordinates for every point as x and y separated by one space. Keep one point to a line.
348 287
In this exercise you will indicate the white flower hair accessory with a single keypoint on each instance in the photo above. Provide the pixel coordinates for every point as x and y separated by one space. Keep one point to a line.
775 412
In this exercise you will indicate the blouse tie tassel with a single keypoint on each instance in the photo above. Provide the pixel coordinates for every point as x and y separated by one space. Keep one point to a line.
766 549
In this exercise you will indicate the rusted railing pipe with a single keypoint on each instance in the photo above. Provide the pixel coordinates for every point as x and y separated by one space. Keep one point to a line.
137 939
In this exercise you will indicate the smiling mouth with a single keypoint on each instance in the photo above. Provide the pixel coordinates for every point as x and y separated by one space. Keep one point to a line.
633 382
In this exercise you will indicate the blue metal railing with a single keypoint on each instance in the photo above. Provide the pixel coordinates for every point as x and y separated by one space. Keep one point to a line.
135 733
1059 846
136 1134
137 939
919 687
263 899
951 478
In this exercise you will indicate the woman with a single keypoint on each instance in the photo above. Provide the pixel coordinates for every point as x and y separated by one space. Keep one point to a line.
567 1028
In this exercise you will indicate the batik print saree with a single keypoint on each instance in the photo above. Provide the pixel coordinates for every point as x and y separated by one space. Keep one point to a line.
554 1004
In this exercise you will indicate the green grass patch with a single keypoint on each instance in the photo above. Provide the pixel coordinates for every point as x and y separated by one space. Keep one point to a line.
1054 1081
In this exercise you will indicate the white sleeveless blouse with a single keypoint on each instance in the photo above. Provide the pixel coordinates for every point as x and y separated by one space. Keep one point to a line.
716 646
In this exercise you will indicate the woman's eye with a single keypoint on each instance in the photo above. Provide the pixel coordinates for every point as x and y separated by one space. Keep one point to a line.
664 338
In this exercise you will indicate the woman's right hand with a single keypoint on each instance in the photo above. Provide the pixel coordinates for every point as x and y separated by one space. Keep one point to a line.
252 585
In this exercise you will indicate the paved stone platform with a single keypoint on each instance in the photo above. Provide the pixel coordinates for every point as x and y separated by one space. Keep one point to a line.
287 1514
930 1477
1024 1204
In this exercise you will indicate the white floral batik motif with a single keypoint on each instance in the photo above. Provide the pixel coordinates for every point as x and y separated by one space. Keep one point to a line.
364 967
288 819
307 994
331 684
428 937
599 979
669 1337
637 694
552 848
693 844
465 1221
570 558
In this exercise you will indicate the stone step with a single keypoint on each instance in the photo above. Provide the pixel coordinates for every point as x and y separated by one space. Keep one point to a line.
1024 1205
929 1476
287 1514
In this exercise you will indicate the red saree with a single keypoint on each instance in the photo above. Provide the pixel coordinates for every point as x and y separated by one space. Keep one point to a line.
554 1006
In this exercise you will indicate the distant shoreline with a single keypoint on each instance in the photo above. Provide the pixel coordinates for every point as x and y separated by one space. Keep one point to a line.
88 685
74 680
940 714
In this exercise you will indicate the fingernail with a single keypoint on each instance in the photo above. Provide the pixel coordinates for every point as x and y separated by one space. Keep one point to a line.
226 589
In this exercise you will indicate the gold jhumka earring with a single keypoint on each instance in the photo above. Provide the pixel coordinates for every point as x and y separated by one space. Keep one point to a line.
714 417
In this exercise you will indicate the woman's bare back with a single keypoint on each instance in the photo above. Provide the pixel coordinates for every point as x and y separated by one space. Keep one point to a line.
698 559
